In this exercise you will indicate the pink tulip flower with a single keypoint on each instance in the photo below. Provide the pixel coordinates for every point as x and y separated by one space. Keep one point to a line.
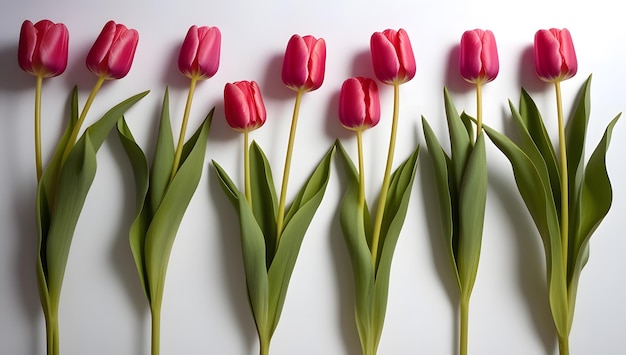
359 103
478 59
555 58
43 48
304 63
200 53
111 56
243 106
392 56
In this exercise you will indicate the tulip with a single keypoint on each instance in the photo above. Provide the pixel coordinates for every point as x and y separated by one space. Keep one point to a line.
359 104
478 60
200 53
243 106
392 56
555 58
111 56
43 47
304 63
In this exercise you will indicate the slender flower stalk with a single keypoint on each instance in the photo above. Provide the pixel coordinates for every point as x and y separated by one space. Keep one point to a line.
38 162
479 108
283 190
246 167
564 182
385 186
183 128
81 118
359 141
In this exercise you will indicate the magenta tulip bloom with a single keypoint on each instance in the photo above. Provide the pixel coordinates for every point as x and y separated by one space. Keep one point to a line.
478 59
359 104
111 56
43 47
304 63
392 56
555 58
200 53
243 106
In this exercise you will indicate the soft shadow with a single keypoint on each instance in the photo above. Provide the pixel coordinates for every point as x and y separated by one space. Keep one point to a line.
343 275
439 252
121 256
234 275
530 260
171 75
454 81
272 85
333 126
527 75
220 130
13 78
362 65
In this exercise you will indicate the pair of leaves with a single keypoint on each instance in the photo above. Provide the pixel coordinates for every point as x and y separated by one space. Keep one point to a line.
161 202
371 282
61 194
537 176
269 260
462 192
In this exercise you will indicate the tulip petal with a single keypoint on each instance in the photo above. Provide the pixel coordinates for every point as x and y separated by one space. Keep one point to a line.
53 50
100 49
27 47
470 61
317 63
568 53
187 52
489 57
295 63
208 52
122 53
405 56
384 58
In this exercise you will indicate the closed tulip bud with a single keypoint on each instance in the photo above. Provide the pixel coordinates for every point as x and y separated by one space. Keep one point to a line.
392 56
43 47
111 55
359 103
304 63
243 105
200 53
555 58
478 60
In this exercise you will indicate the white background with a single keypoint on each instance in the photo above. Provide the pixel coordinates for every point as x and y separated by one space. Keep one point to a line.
205 310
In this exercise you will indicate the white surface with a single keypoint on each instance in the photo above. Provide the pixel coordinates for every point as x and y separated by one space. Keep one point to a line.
205 310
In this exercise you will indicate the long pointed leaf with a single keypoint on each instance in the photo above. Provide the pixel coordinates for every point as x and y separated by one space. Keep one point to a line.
163 157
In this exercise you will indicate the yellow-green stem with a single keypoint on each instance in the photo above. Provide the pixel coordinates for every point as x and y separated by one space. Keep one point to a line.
464 327
72 140
564 183
156 330
183 128
52 331
479 108
283 189
385 187
563 345
265 348
38 163
359 140
246 168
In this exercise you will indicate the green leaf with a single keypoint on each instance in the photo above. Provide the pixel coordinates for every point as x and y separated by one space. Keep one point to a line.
253 251
355 225
537 196
163 158
264 202
297 221
472 199
139 227
168 216
459 139
396 206
444 193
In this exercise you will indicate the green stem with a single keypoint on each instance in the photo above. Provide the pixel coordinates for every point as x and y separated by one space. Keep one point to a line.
246 168
74 135
183 128
38 163
564 186
283 189
52 331
563 345
265 347
464 325
359 140
156 330
385 187
479 108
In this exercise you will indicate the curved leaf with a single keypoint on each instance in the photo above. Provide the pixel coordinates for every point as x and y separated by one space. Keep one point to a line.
168 216
300 215
472 200
459 139
163 158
